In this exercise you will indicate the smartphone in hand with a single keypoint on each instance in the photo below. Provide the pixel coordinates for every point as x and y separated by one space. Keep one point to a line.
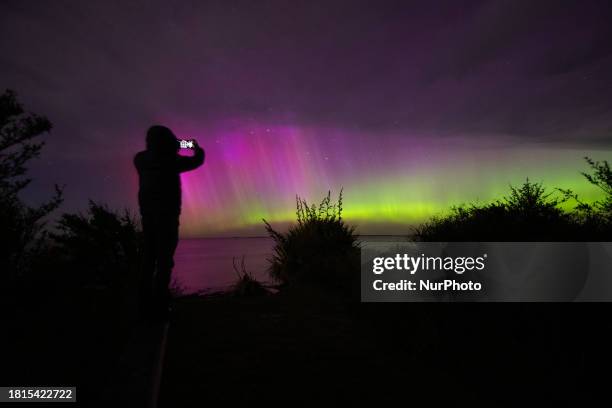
187 143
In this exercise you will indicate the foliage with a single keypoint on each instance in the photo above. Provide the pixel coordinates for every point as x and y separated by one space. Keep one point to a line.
321 249
527 213
601 177
246 285
531 200
100 247
22 234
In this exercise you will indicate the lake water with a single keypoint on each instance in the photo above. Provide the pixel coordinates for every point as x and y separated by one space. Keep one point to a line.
206 263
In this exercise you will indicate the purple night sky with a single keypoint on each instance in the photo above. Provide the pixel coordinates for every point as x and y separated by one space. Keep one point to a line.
410 106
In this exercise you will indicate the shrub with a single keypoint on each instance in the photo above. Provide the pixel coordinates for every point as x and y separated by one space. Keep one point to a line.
601 178
527 213
597 216
100 247
320 250
246 285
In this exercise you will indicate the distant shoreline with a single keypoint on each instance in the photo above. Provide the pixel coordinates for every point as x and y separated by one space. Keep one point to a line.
266 236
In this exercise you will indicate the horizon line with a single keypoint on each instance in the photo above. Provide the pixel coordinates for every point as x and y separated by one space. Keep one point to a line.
267 236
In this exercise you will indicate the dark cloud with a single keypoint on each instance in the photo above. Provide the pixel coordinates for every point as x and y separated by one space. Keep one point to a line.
536 71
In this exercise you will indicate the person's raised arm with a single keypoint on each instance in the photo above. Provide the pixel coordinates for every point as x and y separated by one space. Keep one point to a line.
186 163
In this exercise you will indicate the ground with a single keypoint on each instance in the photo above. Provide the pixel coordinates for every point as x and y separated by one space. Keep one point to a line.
308 348
314 348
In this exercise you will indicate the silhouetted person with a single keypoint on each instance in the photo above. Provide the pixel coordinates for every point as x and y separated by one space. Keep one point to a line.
159 198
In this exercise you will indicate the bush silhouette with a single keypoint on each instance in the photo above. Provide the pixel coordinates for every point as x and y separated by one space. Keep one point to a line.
597 216
246 285
527 213
601 178
320 250
98 248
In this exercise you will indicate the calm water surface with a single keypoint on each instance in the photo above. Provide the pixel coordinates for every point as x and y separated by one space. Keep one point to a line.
206 263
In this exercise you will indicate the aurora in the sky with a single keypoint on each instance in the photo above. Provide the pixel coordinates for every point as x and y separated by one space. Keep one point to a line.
411 107
390 183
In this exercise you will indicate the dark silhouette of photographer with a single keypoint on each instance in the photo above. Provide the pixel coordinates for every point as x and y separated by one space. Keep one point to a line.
159 198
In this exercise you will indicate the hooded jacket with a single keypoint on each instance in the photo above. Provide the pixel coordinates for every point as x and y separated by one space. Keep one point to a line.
159 168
